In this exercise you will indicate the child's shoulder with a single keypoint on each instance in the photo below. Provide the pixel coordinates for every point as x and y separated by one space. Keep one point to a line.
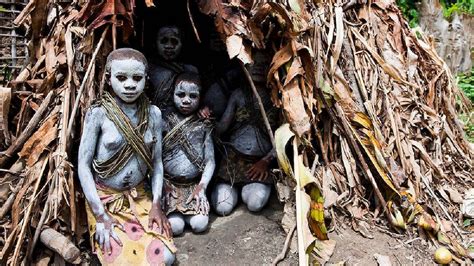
154 113
95 111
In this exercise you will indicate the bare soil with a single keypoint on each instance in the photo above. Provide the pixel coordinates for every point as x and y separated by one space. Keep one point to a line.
245 238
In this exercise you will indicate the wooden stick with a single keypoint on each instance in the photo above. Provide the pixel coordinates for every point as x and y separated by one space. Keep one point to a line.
83 84
39 227
11 199
8 245
282 254
26 218
365 168
61 245
427 184
27 131
192 22
260 104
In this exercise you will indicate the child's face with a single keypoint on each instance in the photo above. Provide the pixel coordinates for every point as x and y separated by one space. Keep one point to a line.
127 78
186 97
169 43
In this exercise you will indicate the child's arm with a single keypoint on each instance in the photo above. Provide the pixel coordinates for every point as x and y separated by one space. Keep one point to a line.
229 113
199 193
210 163
156 213
87 148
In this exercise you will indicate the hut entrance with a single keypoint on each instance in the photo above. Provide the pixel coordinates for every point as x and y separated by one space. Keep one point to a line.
202 46
241 236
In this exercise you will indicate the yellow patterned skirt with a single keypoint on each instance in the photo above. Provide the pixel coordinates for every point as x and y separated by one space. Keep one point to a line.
141 246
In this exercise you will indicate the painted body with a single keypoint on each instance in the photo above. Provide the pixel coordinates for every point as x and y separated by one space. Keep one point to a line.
126 69
218 94
165 70
248 140
179 165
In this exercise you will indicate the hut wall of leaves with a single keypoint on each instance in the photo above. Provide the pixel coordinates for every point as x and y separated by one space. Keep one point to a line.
370 111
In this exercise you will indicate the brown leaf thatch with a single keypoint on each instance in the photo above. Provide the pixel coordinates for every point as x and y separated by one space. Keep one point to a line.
373 107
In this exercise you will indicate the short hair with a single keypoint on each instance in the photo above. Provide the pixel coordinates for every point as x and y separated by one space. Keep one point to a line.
125 53
180 32
190 77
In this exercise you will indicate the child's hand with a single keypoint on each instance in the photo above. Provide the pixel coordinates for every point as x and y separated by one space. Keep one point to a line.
157 216
205 113
259 171
199 195
105 230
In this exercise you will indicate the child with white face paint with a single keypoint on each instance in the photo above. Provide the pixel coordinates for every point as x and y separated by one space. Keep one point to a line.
165 69
121 147
188 153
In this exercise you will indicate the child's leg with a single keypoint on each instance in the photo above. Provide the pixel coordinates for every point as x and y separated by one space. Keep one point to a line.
177 223
256 195
197 222
169 257
224 199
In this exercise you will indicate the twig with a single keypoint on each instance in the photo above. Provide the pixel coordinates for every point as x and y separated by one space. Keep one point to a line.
83 84
7 246
282 254
8 172
427 184
11 199
26 217
192 22
39 227
260 105
27 131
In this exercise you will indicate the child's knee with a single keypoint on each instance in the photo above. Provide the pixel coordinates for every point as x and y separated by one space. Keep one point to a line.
199 223
169 257
224 199
256 196
177 223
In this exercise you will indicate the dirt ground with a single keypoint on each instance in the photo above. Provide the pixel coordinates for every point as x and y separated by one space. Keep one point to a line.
244 238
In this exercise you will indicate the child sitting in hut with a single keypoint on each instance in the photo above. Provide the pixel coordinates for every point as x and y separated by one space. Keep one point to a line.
121 147
188 153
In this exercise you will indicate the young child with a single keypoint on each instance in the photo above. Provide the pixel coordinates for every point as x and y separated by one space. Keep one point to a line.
121 147
188 153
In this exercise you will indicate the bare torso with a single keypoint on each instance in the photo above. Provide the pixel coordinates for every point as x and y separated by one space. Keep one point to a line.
177 163
111 140
249 138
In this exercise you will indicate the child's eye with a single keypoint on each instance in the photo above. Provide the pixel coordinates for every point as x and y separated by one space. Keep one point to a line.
181 94
193 96
137 78
121 77
174 41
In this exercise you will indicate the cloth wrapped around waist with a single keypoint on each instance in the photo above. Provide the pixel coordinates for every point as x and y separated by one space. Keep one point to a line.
131 208
177 192
234 167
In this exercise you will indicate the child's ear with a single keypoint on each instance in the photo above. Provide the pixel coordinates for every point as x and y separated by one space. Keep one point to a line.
107 78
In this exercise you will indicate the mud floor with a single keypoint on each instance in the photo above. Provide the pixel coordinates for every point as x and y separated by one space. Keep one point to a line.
244 238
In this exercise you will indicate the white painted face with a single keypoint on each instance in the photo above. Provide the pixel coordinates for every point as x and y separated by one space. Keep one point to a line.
169 43
127 78
186 97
